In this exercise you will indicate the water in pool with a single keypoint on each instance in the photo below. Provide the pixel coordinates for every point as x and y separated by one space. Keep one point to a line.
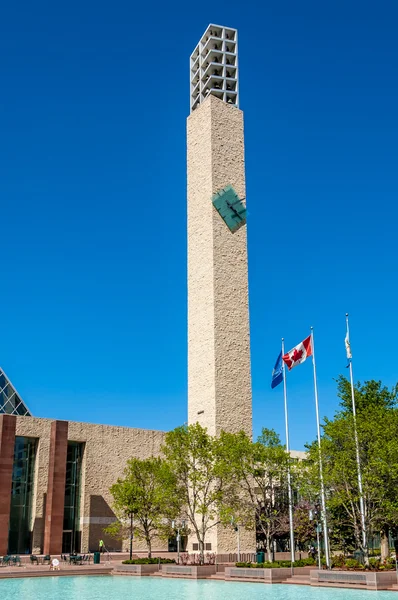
148 588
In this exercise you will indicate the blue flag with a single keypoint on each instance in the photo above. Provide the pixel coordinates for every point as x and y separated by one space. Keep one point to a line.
277 373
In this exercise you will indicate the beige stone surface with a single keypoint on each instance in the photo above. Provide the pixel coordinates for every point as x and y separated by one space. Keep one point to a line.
106 451
219 377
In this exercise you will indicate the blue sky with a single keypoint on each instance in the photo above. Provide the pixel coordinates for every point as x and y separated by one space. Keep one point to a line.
93 200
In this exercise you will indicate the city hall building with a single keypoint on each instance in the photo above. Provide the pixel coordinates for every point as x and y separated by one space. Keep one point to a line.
55 475
55 478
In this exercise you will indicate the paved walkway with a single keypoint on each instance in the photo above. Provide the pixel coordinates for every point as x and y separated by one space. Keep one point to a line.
45 571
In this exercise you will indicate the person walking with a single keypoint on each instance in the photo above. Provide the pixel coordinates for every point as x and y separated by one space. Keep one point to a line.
101 546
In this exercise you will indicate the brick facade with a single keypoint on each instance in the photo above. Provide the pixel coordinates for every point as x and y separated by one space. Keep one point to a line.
54 518
7 444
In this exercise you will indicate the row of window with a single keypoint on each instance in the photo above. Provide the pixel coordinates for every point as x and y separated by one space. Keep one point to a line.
20 533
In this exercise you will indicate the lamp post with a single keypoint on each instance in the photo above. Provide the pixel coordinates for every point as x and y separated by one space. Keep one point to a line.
178 537
238 536
131 536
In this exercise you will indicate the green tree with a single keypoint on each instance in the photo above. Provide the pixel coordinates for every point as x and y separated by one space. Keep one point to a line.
371 394
147 493
341 534
304 527
259 473
195 459
377 426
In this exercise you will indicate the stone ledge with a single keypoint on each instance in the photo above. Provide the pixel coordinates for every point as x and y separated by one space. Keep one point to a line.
370 580
189 571
263 575
139 570
18 572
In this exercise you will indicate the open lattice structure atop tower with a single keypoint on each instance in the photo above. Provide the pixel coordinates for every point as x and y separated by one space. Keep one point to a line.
214 66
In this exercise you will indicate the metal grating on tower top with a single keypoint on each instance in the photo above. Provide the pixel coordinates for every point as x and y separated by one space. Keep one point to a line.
214 66
11 402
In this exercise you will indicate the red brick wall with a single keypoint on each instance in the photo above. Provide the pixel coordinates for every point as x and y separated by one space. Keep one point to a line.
7 443
54 518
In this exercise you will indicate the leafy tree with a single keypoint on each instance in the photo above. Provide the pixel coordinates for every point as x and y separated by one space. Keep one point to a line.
373 397
148 494
369 395
341 534
377 426
304 527
195 459
259 471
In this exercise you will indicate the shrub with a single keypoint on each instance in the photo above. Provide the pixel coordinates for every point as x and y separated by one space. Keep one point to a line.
389 563
374 563
148 561
278 564
339 561
352 563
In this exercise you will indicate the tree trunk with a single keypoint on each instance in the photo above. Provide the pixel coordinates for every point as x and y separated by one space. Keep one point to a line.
384 543
366 556
201 552
269 546
149 546
365 550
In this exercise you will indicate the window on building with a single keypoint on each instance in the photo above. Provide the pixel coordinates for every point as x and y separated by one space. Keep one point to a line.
71 539
173 544
20 531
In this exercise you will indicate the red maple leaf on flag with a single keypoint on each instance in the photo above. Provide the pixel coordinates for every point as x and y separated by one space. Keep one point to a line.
297 354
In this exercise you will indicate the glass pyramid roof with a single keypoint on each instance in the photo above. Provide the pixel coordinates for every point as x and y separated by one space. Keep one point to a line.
11 402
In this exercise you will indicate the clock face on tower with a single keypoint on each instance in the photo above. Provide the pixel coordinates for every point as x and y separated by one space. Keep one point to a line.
230 207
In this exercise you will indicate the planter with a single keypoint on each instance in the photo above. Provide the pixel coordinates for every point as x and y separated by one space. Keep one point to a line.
188 571
140 570
263 575
371 580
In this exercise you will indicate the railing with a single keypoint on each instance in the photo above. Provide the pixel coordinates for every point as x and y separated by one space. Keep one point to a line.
108 555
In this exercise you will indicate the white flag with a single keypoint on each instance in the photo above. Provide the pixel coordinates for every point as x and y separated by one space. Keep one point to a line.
347 346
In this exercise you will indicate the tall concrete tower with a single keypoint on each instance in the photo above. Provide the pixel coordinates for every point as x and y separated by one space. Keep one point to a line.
219 380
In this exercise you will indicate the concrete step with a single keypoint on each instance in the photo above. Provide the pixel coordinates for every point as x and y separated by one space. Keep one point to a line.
358 586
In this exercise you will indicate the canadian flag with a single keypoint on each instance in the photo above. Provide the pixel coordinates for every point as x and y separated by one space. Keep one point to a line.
298 354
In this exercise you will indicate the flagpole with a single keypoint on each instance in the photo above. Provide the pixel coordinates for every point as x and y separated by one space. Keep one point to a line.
289 482
323 498
361 501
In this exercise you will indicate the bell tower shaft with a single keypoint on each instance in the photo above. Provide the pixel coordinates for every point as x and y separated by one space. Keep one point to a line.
219 378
